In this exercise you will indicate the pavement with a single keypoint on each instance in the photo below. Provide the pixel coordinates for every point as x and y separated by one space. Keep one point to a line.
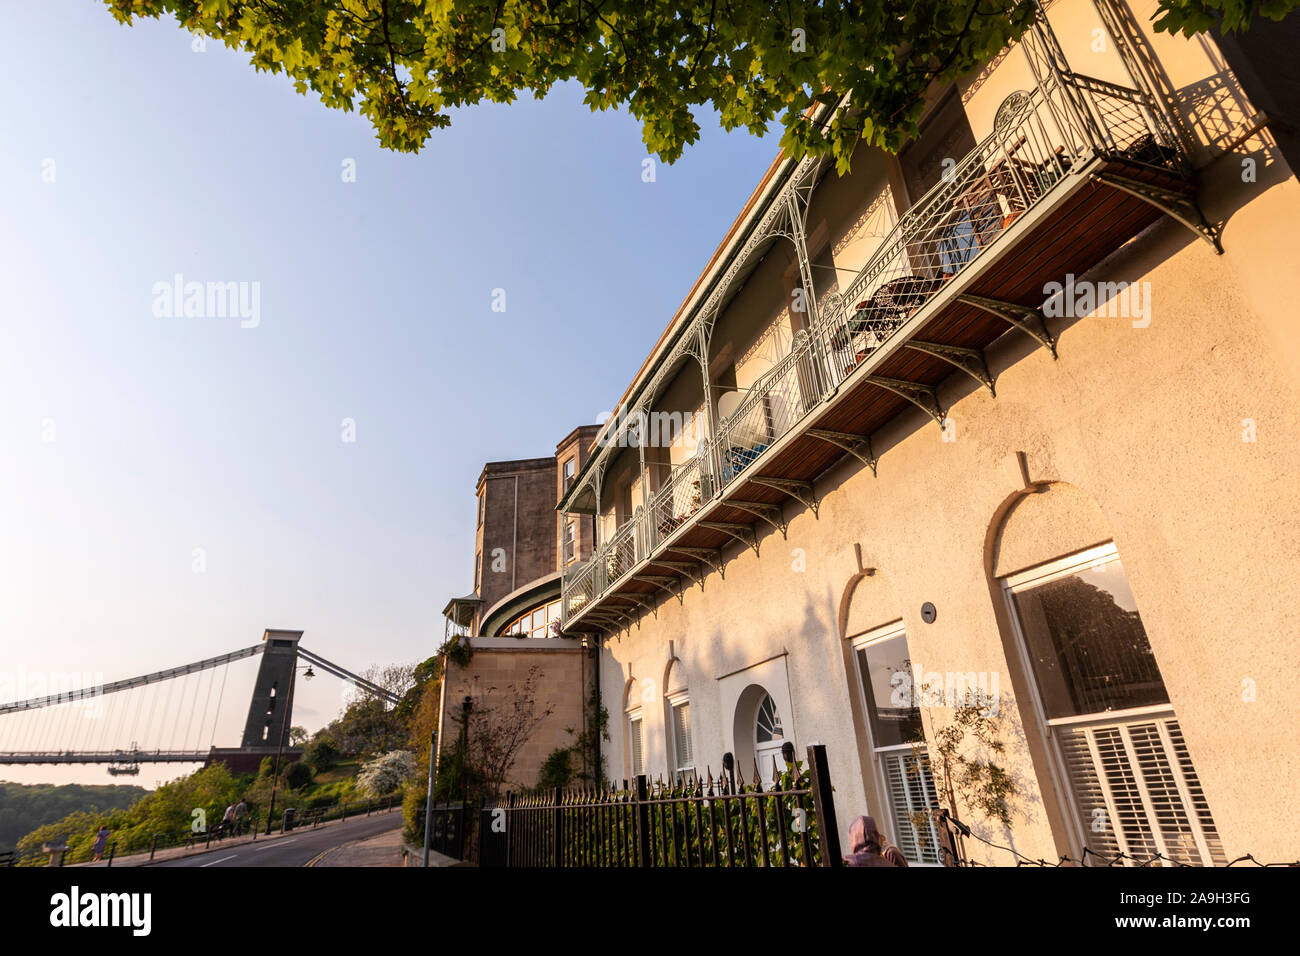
383 849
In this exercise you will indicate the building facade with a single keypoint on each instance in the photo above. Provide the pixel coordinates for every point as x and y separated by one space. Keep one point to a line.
1005 425
510 622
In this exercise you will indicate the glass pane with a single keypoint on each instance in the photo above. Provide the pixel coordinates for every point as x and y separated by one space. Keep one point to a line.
887 686
1086 642
767 725
553 611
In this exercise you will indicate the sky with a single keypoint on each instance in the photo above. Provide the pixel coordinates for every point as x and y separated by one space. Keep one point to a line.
172 484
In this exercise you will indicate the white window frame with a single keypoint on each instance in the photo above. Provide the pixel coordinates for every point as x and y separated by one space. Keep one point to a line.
569 541
635 730
879 635
1063 567
681 699
566 480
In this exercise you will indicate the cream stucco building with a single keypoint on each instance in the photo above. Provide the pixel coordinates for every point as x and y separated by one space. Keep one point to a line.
1014 409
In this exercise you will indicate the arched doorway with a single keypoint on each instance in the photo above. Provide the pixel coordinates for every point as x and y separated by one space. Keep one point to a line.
760 731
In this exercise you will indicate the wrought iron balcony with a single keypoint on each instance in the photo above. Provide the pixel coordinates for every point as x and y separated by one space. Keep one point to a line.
1071 170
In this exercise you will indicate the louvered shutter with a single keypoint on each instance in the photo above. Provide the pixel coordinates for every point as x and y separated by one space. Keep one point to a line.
1137 792
638 766
682 736
911 791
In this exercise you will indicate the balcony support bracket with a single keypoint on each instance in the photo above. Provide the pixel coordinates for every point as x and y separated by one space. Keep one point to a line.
664 583
922 396
706 556
741 532
691 571
770 513
801 491
970 361
859 446
1180 206
1029 320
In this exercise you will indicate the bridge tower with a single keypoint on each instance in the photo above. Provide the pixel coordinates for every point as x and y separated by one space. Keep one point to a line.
268 711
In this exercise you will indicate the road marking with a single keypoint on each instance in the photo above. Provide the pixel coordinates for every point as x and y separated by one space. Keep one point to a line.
273 844
215 862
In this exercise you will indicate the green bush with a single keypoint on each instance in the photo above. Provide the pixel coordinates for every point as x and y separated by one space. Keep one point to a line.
556 770
322 753
413 798
298 775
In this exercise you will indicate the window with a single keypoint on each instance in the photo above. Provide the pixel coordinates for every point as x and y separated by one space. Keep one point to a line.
635 750
541 621
478 567
1098 690
570 540
683 755
567 471
945 135
481 498
897 740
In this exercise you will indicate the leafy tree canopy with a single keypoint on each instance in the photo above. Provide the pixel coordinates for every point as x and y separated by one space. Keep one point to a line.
407 63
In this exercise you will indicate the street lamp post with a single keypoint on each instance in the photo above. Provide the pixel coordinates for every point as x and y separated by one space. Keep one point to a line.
465 707
428 800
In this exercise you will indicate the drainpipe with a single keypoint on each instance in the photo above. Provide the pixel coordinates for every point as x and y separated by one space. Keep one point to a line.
595 768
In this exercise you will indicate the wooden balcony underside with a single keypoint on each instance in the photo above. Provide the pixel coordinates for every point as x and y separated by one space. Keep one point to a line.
1083 228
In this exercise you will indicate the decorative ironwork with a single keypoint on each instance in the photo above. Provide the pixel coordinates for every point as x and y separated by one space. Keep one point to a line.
1178 206
741 532
1029 320
1044 139
970 361
782 818
801 491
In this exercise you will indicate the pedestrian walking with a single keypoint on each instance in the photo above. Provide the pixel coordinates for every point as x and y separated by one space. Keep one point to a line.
101 841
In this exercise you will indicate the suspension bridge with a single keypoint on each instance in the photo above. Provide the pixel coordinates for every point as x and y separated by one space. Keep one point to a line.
176 712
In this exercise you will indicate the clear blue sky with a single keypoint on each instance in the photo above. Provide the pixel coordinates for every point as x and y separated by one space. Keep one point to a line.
129 440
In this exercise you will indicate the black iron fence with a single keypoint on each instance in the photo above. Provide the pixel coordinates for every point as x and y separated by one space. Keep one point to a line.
787 820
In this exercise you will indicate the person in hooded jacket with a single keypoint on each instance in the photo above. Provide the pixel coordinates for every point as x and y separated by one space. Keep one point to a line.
869 848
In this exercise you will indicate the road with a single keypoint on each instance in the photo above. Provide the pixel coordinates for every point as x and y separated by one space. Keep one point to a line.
295 848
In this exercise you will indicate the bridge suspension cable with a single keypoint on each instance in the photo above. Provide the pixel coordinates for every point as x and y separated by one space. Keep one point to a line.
82 693
347 675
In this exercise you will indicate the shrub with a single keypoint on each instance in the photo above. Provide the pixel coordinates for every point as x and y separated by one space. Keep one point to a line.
413 801
557 770
297 775
386 773
322 753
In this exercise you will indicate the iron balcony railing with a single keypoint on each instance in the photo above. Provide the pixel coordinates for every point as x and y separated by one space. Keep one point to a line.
1037 139
682 495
